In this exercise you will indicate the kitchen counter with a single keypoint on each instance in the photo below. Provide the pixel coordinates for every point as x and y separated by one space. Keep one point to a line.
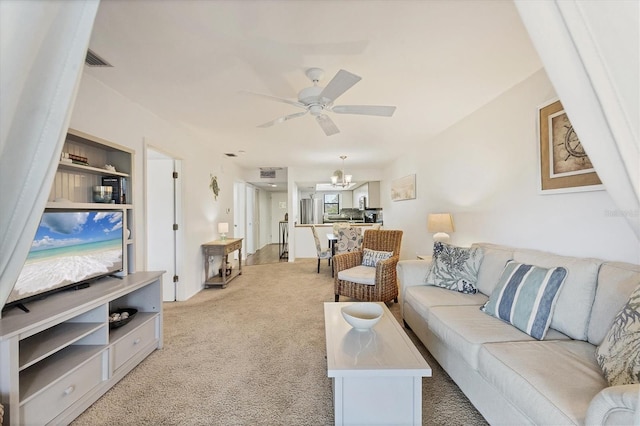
305 246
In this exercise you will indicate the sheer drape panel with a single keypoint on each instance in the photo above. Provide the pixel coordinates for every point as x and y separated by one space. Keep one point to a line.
42 51
590 51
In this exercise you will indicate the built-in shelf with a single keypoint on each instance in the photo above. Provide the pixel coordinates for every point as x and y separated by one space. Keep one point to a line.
97 170
67 205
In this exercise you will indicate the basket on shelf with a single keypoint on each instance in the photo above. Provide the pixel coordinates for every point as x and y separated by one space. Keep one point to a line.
116 320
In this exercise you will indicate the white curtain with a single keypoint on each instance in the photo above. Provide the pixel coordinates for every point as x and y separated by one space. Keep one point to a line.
43 44
590 50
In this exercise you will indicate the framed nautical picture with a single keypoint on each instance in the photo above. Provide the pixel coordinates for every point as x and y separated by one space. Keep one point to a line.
564 163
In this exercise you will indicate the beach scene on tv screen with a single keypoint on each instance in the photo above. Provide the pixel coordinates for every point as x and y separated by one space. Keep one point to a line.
70 247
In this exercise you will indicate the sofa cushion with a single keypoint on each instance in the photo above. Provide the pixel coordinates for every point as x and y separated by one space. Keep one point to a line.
619 353
616 281
422 298
372 257
465 329
494 257
455 268
525 297
551 382
573 308
359 274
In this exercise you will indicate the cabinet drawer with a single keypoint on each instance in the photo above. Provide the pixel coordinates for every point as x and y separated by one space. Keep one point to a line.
133 343
62 394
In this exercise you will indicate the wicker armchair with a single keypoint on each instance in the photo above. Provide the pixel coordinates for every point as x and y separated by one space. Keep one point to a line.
383 280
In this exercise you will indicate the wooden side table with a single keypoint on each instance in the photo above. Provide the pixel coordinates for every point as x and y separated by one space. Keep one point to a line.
221 248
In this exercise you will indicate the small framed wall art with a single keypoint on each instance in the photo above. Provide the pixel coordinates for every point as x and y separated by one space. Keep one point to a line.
403 188
564 163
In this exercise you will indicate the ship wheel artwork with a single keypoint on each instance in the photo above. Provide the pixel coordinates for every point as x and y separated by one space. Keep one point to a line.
572 145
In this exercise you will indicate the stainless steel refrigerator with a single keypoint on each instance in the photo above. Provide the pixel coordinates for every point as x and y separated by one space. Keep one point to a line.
310 210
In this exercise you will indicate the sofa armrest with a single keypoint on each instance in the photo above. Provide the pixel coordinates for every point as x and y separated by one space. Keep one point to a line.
412 273
615 405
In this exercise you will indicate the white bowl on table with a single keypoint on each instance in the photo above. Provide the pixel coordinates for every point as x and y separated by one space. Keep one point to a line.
362 315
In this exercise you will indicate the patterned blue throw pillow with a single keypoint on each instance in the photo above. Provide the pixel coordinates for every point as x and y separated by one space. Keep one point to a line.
455 268
372 257
525 297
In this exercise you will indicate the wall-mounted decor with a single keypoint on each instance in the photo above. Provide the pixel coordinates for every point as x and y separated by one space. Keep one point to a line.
564 164
403 188
213 184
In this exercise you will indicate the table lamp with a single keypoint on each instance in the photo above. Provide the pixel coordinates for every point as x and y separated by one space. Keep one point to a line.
223 228
440 224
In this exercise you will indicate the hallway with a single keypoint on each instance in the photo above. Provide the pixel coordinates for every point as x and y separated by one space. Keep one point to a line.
267 254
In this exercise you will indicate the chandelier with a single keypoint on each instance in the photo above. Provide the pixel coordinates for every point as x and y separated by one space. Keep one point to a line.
339 178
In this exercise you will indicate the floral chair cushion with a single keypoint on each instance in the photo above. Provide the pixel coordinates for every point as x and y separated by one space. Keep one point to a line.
323 253
349 239
455 268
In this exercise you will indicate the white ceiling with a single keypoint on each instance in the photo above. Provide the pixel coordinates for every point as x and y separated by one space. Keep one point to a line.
187 61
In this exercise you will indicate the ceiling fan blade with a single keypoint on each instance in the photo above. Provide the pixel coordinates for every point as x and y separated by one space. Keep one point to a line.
339 84
327 125
275 98
380 110
283 119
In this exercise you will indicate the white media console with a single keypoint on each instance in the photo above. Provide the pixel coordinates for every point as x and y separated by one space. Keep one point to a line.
59 358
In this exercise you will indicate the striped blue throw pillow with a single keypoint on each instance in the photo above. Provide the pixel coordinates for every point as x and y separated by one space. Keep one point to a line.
525 297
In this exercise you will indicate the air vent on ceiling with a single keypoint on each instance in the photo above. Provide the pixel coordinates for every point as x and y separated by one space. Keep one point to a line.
267 174
230 154
93 60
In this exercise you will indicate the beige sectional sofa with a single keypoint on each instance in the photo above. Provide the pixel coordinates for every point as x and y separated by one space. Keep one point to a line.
510 377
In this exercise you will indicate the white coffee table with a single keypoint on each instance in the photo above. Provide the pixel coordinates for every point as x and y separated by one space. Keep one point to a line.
376 374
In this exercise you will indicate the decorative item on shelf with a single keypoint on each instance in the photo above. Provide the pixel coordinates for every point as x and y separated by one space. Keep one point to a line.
119 185
213 184
228 269
339 178
440 224
65 157
102 194
109 167
223 229
122 316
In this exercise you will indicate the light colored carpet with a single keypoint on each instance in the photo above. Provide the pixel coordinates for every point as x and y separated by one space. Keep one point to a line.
252 354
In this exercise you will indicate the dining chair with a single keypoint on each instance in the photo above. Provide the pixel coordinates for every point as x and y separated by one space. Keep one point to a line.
323 253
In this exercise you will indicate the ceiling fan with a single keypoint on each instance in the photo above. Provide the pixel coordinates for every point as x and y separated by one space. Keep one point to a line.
317 100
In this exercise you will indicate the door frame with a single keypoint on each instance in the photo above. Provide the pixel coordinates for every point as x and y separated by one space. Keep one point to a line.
178 235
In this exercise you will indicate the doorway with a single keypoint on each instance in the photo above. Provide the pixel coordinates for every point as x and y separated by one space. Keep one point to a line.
163 218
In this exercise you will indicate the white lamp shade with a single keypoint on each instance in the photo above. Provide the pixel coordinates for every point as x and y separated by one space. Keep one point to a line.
223 227
440 222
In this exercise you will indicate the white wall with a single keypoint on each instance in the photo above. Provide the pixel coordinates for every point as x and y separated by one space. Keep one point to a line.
484 170
103 112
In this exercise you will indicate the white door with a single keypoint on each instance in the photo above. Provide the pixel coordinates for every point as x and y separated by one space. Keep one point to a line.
249 232
162 193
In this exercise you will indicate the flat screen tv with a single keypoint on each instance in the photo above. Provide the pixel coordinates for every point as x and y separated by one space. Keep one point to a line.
70 249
